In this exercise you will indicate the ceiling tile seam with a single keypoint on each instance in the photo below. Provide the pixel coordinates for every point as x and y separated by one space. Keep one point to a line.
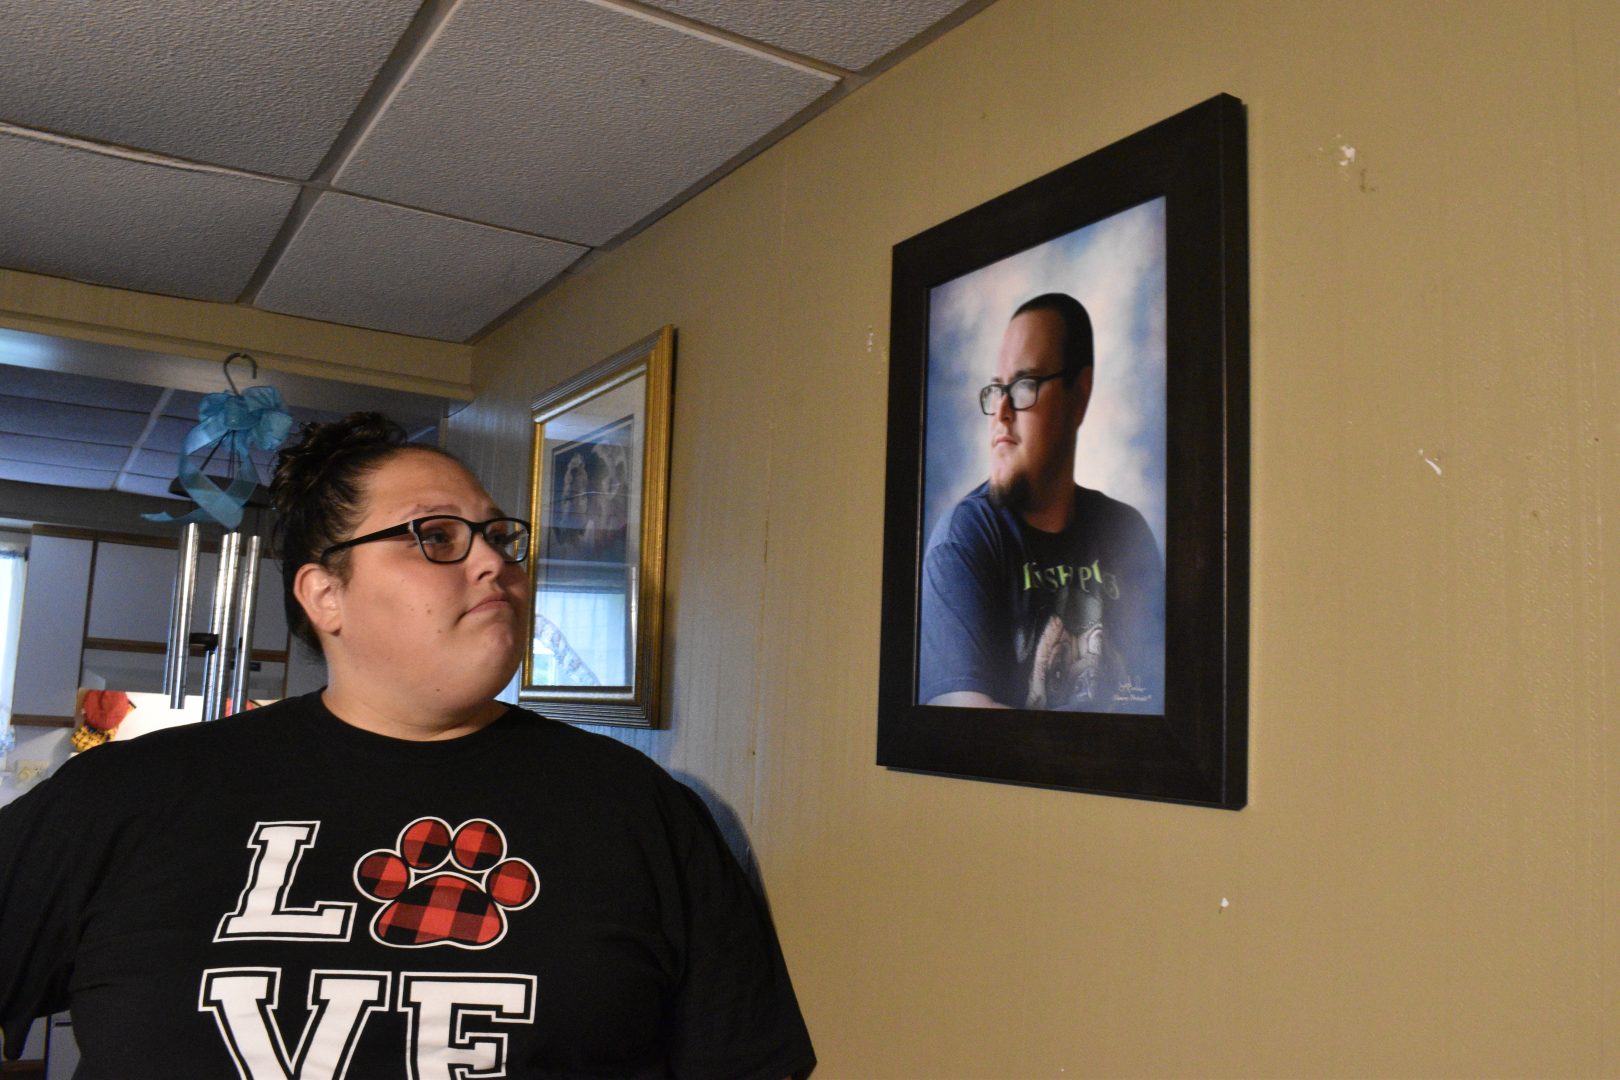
297 214
437 12
54 465
305 204
715 35
759 146
138 156
850 83
318 187
105 444
57 458
21 402
143 157
146 433
426 26
315 186
407 54
553 282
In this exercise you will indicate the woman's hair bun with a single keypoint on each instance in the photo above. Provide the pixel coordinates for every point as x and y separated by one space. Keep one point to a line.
323 446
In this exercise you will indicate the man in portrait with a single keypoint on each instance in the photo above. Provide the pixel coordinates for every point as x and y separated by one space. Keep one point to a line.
1038 593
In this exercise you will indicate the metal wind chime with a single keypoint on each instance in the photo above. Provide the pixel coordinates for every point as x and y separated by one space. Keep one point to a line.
239 423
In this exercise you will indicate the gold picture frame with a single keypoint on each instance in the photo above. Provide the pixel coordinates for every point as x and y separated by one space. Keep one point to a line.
599 499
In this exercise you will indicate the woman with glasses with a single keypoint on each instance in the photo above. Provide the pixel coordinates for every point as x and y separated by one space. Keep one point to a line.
397 875
402 572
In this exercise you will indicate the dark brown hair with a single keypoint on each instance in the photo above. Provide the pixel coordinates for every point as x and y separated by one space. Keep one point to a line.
1077 344
319 494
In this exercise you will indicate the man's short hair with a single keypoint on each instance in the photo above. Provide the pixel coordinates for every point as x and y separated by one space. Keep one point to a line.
1077 347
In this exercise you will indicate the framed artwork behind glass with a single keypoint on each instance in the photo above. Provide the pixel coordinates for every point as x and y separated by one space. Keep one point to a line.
600 468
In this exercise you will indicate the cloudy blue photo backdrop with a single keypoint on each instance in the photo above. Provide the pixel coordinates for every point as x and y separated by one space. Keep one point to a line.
1115 267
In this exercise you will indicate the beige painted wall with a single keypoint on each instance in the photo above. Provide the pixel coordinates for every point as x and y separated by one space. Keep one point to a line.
1425 880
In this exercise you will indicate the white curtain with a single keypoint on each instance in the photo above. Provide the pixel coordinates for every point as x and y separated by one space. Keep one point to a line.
13 572
592 625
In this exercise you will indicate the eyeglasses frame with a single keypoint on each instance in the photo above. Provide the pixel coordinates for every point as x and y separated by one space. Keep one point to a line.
1006 391
413 527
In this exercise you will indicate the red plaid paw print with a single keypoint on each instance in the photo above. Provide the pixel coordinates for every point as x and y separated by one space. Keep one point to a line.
445 888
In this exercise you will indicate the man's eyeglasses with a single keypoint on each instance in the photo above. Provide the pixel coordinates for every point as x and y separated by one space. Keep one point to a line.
445 538
1024 391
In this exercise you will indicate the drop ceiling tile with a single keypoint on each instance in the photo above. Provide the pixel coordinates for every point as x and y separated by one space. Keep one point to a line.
852 34
71 452
168 436
154 463
166 466
566 119
166 463
149 485
59 475
43 385
183 404
74 213
406 271
23 416
169 433
260 86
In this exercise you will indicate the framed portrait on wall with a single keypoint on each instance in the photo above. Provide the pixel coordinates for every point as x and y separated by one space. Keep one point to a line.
1065 543
599 503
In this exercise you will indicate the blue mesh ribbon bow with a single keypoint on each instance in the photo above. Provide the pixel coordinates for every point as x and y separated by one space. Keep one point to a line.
254 419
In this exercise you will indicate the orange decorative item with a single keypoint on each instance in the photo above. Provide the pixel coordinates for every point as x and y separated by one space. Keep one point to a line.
100 713
104 710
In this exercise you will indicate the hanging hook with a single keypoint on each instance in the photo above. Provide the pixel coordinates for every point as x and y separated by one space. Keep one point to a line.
244 356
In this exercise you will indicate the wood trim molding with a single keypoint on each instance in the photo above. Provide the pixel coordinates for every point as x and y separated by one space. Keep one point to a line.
103 536
202 332
34 720
158 648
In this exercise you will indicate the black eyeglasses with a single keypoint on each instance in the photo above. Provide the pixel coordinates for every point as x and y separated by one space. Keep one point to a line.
445 538
1024 391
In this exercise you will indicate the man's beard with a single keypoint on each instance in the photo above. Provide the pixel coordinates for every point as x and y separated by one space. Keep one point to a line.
1013 494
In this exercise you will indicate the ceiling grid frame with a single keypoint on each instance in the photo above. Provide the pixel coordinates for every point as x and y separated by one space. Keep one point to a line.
393 42
199 107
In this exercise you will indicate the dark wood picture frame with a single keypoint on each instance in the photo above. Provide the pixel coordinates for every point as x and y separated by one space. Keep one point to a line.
1196 751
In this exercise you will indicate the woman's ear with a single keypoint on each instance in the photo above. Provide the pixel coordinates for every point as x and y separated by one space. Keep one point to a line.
319 592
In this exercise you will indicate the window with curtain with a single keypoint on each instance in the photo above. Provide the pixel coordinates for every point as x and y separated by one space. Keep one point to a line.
592 625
